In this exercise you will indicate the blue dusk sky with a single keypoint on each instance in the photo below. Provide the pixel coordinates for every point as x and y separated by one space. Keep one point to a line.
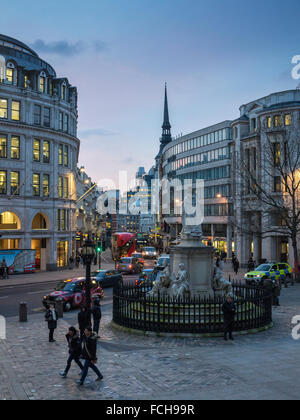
215 56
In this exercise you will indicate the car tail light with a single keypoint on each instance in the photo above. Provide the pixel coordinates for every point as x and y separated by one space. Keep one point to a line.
136 282
118 266
130 266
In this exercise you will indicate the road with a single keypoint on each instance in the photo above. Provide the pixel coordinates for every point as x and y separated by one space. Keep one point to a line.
32 294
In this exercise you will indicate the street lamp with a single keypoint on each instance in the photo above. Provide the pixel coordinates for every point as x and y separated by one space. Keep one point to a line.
88 253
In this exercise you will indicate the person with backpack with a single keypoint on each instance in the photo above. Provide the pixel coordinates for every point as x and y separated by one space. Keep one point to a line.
74 344
89 354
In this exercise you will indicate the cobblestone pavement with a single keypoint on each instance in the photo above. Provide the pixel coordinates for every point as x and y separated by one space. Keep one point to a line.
261 366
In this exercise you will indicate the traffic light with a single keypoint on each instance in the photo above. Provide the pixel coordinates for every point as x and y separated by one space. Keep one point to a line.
99 248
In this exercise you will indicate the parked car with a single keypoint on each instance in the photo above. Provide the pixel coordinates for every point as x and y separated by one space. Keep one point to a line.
107 278
273 271
129 265
162 259
72 292
149 252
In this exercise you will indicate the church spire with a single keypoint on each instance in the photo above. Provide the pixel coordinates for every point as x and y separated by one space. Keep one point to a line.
166 127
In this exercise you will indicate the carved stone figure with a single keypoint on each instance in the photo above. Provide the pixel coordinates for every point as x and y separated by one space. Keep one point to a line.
180 285
163 281
220 283
190 231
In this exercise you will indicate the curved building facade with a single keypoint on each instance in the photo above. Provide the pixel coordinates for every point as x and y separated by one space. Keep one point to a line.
38 156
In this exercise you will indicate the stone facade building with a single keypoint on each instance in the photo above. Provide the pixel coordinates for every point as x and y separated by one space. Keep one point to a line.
38 156
215 154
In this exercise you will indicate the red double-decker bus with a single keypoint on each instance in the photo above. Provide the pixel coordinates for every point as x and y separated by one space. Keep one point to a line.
123 245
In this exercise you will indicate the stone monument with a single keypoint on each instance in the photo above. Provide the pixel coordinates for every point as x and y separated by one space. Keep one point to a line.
197 260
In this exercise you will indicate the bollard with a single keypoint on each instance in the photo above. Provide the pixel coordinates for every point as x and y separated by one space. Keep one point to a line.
23 312
59 307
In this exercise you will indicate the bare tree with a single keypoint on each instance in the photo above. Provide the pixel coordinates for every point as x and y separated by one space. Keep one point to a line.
272 184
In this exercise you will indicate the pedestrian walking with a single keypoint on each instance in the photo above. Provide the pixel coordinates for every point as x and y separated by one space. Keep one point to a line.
89 354
97 314
77 261
236 266
4 269
229 312
74 344
84 320
51 317
251 265
71 262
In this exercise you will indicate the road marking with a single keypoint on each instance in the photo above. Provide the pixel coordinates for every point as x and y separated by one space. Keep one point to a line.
36 293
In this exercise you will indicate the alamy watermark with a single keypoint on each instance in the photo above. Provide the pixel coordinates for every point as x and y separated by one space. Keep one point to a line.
2 328
167 197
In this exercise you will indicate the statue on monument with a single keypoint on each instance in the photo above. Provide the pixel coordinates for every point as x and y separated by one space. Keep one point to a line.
220 283
163 281
180 285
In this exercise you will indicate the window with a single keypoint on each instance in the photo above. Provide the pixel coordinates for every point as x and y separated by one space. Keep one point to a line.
277 120
15 183
277 184
26 80
46 185
36 150
66 188
287 119
66 156
51 90
3 185
58 219
37 115
3 147
46 152
63 92
9 76
253 123
60 187
60 154
66 123
15 148
15 110
61 121
36 185
277 154
3 108
46 117
42 84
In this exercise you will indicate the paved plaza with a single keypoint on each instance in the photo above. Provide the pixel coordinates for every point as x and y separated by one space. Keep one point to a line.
261 366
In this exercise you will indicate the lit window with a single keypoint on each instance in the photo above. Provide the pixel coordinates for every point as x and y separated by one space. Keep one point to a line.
15 183
46 152
66 156
269 122
42 84
3 185
51 87
277 184
46 185
37 115
287 119
26 81
60 154
15 110
66 187
46 117
15 148
9 76
277 121
36 150
36 185
277 154
60 187
3 108
3 147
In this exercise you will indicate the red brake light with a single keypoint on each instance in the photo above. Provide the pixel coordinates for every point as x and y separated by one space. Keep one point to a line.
130 266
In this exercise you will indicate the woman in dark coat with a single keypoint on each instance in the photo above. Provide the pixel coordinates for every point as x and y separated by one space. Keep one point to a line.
84 320
51 317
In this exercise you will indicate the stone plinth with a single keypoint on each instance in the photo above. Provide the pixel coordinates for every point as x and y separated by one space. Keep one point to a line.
198 261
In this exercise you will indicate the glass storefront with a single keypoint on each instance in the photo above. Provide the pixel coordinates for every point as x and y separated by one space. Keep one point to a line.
62 253
9 243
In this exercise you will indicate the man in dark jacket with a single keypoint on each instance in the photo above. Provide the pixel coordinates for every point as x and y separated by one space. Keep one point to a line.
51 317
96 311
74 344
229 312
84 320
89 354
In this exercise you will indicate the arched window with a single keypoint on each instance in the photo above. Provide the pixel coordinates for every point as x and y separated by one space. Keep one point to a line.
9 221
42 82
64 92
39 222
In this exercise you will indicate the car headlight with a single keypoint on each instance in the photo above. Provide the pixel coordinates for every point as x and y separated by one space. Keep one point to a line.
258 276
